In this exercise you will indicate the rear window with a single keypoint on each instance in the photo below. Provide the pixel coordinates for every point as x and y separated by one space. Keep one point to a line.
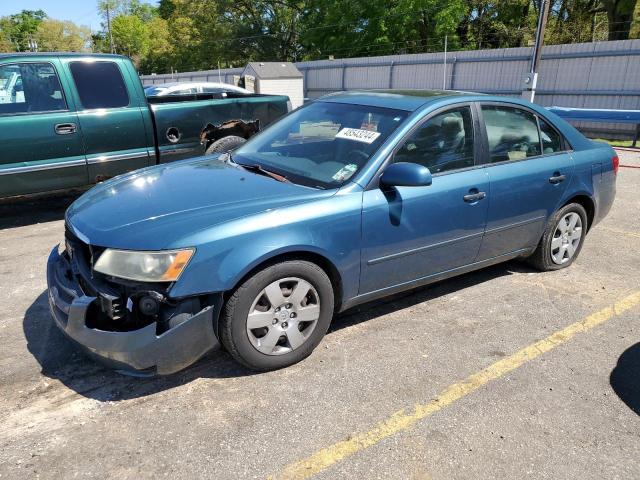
99 84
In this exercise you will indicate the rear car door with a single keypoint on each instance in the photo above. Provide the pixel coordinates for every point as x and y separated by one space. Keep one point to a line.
529 166
112 117
412 233
41 143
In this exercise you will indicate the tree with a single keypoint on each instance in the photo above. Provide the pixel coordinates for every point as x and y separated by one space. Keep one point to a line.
620 16
20 28
161 48
378 27
62 36
6 42
130 36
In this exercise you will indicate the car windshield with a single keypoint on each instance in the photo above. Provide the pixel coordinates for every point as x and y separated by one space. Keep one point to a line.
321 145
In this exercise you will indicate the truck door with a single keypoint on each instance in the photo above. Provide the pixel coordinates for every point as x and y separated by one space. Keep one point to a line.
112 117
41 142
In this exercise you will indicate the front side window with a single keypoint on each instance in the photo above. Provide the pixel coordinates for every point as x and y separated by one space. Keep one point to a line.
323 144
512 133
99 84
444 142
30 88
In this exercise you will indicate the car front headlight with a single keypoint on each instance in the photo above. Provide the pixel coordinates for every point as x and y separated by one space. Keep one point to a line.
160 266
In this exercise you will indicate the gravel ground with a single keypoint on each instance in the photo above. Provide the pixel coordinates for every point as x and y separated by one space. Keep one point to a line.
572 412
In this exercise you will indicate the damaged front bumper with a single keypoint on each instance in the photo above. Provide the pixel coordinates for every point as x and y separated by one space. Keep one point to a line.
142 351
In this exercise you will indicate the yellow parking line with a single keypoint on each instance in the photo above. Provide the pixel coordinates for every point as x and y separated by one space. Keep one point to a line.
401 420
621 232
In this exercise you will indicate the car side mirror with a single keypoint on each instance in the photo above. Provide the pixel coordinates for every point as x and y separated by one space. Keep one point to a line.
404 174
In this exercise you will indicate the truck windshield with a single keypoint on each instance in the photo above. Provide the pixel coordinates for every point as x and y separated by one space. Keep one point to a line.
323 144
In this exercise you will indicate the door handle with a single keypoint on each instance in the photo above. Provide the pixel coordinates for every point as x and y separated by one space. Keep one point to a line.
474 197
65 128
557 178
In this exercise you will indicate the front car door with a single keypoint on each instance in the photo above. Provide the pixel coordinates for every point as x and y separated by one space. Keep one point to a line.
41 143
114 120
529 166
412 233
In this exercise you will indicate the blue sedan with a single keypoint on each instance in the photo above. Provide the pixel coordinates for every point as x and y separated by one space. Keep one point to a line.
356 196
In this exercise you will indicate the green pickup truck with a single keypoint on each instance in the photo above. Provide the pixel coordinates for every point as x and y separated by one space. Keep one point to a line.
69 120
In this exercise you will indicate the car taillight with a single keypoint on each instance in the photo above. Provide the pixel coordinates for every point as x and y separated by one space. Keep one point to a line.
615 162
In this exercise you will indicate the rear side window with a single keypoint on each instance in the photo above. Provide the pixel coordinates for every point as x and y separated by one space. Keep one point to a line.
30 88
99 84
512 133
444 142
551 140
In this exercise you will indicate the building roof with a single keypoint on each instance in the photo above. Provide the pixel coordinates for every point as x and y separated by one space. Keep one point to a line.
273 70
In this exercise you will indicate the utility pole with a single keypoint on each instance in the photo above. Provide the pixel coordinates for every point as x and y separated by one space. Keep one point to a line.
531 79
109 28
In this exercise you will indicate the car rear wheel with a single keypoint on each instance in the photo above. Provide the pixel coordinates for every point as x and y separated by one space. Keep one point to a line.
225 145
562 239
278 316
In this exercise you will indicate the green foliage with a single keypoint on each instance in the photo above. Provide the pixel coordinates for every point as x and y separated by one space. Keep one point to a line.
130 36
180 35
62 36
19 29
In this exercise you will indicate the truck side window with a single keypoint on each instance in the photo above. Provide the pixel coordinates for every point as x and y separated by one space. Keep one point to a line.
99 84
30 88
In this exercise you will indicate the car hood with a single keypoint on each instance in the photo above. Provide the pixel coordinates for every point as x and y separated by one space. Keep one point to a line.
155 208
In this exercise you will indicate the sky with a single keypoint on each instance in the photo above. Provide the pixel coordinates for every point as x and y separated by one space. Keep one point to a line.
82 12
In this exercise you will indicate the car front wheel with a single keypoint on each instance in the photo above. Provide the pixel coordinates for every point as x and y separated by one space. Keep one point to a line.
562 239
278 316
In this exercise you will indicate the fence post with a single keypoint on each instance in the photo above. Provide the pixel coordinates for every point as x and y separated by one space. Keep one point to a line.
444 65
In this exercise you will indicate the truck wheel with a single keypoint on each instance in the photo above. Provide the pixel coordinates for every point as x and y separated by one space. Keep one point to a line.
225 144
562 239
278 316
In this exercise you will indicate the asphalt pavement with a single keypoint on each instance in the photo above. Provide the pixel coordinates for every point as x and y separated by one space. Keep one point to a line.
501 373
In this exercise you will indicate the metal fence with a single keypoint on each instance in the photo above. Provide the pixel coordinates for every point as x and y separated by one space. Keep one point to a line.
584 75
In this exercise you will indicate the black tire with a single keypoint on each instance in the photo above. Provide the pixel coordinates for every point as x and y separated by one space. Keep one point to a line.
225 145
233 327
541 258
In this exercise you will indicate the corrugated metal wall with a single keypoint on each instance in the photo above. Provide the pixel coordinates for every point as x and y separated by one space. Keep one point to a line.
588 75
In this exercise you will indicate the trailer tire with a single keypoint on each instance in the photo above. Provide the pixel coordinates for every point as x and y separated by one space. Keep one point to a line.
225 145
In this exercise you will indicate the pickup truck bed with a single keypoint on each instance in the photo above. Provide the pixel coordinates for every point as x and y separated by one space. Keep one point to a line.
69 120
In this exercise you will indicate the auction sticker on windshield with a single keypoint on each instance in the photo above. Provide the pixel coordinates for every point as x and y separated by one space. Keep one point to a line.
364 136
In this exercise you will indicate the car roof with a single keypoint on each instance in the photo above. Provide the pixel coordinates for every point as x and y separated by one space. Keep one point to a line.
408 100
179 85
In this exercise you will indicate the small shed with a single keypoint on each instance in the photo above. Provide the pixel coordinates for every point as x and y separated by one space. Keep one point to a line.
277 78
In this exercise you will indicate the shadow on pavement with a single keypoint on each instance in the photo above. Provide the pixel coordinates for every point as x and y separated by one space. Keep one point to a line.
625 378
20 212
60 359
